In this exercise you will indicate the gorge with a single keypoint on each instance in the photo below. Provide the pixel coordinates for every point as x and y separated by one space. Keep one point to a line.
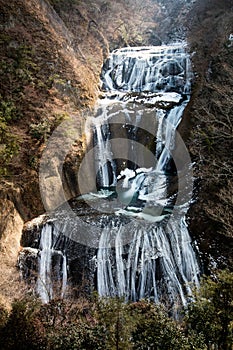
116 190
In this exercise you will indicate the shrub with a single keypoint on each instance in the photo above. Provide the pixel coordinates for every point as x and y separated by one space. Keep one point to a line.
9 147
40 131
111 323
7 111
157 331
211 314
21 331
3 316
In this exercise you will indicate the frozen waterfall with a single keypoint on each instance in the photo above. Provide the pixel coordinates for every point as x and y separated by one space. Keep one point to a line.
135 240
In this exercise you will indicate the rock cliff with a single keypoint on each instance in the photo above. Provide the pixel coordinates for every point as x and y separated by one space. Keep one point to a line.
50 60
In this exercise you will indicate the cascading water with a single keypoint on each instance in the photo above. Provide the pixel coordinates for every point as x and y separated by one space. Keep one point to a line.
52 265
159 261
142 245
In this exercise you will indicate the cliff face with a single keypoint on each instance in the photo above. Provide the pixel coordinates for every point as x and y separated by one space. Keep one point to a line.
11 226
44 79
211 139
51 57
51 53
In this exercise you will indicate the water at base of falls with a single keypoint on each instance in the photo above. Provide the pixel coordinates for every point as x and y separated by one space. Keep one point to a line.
134 221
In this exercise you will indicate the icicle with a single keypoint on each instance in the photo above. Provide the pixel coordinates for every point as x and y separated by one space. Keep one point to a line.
158 262
52 266
44 283
64 275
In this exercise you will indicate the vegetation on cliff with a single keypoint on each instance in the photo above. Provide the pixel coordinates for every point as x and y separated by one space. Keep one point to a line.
50 61
211 139
49 71
114 324
43 80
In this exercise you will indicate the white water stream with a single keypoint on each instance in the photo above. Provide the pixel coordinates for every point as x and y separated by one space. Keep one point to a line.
146 92
159 263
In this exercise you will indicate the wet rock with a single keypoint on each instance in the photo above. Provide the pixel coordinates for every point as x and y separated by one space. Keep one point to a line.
171 68
28 263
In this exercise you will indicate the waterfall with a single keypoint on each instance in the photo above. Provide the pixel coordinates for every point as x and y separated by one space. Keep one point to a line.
159 263
52 266
103 154
129 236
